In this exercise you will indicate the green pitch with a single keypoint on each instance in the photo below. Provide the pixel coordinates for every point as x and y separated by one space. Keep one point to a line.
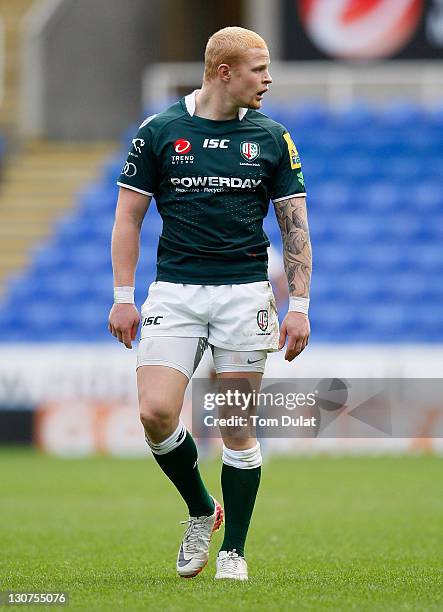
328 534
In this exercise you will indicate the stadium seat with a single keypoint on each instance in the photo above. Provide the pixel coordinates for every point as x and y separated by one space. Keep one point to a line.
358 116
402 114
2 149
428 197
113 168
375 201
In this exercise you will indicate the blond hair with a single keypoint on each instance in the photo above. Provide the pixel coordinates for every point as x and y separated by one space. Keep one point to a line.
227 46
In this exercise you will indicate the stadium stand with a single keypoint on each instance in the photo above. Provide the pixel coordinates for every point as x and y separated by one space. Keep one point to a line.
2 153
38 185
376 217
11 14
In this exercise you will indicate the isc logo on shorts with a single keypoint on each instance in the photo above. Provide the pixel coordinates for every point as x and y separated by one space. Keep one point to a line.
152 320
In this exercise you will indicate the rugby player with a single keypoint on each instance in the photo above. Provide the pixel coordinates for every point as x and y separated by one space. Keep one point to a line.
213 162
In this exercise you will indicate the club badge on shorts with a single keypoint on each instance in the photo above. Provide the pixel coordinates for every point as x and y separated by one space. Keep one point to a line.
263 319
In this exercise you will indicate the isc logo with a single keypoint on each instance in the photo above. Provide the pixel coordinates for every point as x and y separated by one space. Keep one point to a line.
152 320
215 143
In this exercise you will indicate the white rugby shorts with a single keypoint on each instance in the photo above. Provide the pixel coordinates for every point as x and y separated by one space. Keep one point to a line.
236 317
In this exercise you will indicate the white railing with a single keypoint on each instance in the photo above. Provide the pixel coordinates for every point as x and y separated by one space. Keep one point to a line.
335 83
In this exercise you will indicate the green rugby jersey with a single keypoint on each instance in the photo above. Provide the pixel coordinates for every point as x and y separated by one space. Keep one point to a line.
212 181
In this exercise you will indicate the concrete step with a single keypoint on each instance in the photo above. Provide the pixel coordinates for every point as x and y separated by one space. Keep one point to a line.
10 268
68 147
74 162
18 244
53 168
43 183
13 259
15 222
26 228
44 209
40 186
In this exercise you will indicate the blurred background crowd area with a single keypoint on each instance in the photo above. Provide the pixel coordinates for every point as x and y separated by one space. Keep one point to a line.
358 83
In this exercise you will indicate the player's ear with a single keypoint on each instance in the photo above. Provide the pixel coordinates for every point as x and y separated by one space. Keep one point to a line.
224 72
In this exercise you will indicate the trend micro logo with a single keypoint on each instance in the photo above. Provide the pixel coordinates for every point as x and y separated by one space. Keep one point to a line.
360 29
182 146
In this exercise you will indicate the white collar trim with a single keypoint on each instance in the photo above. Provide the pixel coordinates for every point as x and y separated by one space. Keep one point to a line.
190 105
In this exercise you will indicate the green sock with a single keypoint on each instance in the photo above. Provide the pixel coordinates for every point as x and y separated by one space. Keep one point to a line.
239 492
180 466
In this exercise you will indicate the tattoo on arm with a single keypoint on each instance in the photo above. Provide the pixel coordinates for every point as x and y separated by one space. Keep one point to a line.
297 255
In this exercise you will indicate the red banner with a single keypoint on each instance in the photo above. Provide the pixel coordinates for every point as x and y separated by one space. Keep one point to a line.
363 29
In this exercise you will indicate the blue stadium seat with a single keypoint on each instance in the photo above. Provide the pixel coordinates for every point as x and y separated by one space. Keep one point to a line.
384 195
112 168
2 147
331 259
428 259
315 168
98 198
401 166
358 116
375 200
358 167
128 134
402 114
332 195
333 317
309 114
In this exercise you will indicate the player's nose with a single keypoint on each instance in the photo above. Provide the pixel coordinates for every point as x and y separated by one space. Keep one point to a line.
267 78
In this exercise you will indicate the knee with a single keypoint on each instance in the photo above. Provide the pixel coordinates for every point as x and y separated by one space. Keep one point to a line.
154 415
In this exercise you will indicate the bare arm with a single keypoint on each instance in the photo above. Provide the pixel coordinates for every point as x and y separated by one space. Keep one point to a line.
131 209
297 256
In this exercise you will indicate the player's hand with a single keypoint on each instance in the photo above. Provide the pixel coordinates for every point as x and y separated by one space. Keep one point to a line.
296 329
123 323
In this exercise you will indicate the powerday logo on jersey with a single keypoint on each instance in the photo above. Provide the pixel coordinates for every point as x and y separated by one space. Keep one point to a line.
293 153
250 150
182 147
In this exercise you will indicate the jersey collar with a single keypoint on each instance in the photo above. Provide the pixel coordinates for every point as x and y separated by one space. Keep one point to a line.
190 105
